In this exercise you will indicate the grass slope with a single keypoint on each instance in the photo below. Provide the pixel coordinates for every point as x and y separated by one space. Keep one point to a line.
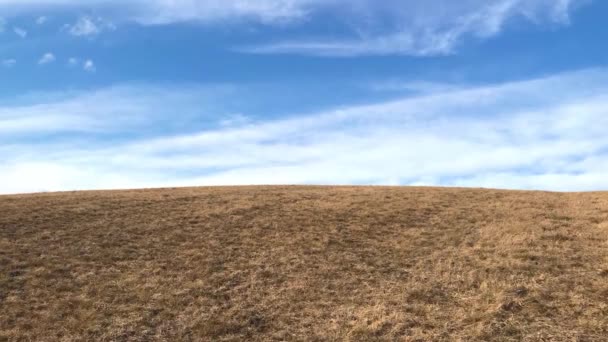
304 263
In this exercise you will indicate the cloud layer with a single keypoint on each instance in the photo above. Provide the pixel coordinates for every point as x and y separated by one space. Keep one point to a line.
437 27
540 134
369 27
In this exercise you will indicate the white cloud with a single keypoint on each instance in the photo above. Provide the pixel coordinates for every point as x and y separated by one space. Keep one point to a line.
435 27
41 20
84 27
89 66
9 63
415 87
20 32
46 58
543 134
152 12
266 11
88 26
405 27
133 109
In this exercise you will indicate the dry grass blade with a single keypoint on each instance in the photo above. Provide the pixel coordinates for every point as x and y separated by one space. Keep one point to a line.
304 263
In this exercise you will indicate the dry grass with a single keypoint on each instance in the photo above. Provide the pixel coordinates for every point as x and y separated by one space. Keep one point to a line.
304 263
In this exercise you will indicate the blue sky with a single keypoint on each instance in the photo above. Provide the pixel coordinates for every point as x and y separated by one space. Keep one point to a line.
127 94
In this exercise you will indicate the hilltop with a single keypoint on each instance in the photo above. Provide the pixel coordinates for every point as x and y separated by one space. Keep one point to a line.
304 263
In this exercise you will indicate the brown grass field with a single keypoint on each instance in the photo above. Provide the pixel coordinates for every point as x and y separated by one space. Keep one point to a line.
304 264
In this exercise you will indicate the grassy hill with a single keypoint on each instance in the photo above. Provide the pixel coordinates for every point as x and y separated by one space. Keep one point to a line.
304 263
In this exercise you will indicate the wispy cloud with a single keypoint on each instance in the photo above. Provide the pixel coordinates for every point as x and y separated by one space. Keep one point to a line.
116 110
89 26
9 63
436 28
73 61
266 11
412 87
41 20
155 12
544 134
46 58
20 32
89 66
370 27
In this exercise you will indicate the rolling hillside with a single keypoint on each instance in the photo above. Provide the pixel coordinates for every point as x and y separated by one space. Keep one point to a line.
304 264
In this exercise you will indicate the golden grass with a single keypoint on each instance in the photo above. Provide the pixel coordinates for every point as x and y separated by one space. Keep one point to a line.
304 264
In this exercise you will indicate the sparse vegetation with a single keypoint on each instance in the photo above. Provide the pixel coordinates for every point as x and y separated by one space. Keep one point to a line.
304 263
